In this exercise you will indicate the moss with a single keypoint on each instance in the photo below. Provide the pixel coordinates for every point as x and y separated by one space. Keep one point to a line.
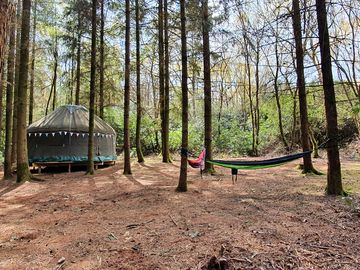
23 173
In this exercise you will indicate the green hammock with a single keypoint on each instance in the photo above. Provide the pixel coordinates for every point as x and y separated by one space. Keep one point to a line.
256 164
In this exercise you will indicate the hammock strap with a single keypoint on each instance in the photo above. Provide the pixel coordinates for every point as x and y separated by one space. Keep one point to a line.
184 152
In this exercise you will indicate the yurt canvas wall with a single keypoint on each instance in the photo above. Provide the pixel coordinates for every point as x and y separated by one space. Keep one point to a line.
62 136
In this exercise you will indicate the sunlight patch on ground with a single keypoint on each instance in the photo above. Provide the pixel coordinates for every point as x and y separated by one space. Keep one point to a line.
7 207
25 190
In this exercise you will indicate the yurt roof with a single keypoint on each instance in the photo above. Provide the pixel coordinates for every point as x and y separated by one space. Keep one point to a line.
73 118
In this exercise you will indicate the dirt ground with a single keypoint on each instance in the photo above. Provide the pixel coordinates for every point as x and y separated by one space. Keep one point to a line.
270 219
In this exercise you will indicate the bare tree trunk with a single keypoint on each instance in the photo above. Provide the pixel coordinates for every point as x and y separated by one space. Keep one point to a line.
102 59
90 164
257 107
139 153
6 11
248 71
182 185
166 157
23 172
277 97
161 75
334 184
32 70
207 87
53 86
17 65
78 61
2 87
127 164
155 103
308 166
55 72
9 100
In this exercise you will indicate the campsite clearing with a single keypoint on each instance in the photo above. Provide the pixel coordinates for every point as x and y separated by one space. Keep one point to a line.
275 218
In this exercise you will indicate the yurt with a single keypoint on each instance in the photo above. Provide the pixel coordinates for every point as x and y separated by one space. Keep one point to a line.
62 137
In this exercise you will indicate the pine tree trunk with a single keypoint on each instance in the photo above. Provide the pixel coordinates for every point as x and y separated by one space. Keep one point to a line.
9 100
138 88
182 185
127 164
334 184
102 59
6 11
161 75
90 165
16 82
78 62
2 87
32 70
23 172
166 157
308 166
207 87
55 73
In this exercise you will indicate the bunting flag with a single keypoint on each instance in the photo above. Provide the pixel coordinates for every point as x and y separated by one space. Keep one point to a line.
102 135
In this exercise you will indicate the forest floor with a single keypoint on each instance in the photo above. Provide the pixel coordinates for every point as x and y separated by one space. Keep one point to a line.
273 218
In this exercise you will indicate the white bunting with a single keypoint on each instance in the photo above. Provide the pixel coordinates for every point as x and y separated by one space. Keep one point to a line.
40 134
60 132
71 133
65 132
35 134
53 134
46 134
29 134
83 135
77 134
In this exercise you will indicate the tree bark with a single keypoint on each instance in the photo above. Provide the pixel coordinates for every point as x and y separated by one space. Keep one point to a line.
55 72
32 70
166 156
90 164
23 172
161 75
2 87
304 123
16 82
6 11
334 183
78 61
102 59
277 97
182 185
139 153
127 164
9 100
207 87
